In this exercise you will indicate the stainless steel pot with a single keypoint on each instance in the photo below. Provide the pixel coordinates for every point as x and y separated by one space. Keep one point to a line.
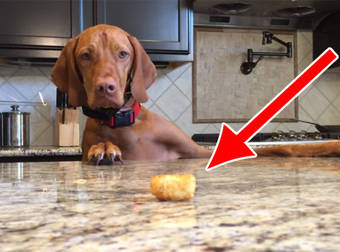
1 131
16 128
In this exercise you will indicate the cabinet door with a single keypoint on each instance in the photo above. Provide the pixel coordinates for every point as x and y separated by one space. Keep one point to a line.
39 28
162 26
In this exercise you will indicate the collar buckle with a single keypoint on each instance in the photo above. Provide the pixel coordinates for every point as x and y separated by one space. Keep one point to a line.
121 119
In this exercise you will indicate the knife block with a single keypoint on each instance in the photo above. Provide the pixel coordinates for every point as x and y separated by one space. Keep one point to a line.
67 131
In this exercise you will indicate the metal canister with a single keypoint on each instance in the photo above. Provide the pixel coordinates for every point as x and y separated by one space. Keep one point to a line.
16 128
1 131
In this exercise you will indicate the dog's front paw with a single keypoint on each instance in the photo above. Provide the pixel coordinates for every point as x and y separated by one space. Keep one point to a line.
113 152
104 153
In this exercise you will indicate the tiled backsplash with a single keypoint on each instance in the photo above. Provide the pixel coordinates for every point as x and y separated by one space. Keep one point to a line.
22 84
170 96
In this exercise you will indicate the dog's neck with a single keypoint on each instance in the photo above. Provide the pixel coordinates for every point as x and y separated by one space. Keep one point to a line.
128 104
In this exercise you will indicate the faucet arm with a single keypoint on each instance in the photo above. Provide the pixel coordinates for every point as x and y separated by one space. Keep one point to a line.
286 44
268 37
247 67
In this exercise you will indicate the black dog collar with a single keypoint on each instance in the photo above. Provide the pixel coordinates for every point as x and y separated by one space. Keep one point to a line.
114 118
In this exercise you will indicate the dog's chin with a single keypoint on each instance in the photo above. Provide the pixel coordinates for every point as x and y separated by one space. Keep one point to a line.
106 103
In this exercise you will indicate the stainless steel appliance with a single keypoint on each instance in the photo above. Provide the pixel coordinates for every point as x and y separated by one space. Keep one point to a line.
274 138
275 14
16 128
320 16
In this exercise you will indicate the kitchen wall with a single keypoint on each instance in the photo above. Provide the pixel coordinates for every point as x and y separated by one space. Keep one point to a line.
21 84
170 96
320 103
219 85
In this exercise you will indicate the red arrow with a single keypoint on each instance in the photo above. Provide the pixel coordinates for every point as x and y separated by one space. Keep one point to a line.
232 146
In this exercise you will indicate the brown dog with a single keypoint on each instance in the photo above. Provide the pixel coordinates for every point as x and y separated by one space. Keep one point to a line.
108 71
94 70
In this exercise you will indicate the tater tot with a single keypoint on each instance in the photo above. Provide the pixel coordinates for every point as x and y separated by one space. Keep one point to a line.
173 187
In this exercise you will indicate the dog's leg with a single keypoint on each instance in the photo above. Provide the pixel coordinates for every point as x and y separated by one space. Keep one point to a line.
306 150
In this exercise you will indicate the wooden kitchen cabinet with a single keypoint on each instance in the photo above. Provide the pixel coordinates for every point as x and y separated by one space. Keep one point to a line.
164 27
40 28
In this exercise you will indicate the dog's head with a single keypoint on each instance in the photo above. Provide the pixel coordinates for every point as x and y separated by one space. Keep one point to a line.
93 68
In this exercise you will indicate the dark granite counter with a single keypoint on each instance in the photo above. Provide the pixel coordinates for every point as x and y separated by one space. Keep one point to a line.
263 204
39 151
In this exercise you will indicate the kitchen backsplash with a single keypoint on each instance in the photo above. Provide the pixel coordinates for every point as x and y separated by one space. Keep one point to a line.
219 85
22 84
170 96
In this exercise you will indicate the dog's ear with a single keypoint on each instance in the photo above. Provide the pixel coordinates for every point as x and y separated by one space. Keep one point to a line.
66 76
144 71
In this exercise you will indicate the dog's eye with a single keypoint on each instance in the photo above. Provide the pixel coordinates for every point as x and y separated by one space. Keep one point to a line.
122 54
85 56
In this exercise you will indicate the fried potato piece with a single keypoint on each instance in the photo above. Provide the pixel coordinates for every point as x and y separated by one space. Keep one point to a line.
173 187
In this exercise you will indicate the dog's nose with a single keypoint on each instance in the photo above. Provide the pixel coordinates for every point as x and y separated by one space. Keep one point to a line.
106 88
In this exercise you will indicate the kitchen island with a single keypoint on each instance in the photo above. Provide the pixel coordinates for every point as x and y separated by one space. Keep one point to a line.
263 204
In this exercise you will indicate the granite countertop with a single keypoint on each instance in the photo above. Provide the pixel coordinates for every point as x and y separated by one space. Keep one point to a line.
263 204
38 151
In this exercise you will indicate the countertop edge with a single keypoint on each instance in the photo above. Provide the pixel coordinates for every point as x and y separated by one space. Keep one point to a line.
40 151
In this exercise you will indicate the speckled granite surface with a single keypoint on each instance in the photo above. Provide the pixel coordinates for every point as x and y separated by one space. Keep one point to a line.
266 204
36 151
